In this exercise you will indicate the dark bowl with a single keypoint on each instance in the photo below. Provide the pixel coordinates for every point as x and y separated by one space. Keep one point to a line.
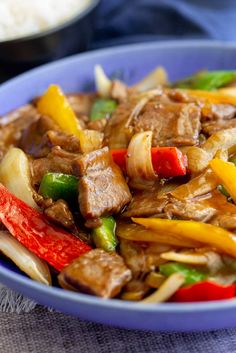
72 36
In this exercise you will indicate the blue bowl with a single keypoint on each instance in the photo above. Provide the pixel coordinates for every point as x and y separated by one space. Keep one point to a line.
130 63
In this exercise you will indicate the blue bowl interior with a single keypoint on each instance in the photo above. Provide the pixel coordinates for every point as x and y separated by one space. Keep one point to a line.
129 63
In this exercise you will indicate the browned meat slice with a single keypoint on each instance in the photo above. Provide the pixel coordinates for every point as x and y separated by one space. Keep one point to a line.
57 160
171 123
81 104
211 127
189 209
96 272
145 204
12 125
59 213
98 125
38 139
34 140
217 117
218 112
102 187
227 221
142 257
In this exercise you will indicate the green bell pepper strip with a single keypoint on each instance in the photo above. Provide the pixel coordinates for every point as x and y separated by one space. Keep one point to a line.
104 236
59 186
191 274
102 108
207 81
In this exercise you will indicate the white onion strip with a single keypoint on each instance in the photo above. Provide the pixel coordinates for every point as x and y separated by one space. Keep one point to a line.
139 161
102 82
166 290
157 77
29 263
193 259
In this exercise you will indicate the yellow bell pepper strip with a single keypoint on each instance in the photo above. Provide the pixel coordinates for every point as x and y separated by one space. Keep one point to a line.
208 234
54 104
226 173
214 97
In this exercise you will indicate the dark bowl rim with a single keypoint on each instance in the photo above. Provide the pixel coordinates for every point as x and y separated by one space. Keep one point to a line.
51 30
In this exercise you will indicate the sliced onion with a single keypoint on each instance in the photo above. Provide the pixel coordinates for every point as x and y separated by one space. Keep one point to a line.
15 175
187 258
201 185
157 77
90 140
29 263
139 161
166 290
199 158
103 83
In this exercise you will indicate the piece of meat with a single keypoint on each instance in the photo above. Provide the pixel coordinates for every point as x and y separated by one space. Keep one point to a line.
217 117
93 223
60 214
199 211
227 221
172 124
216 112
98 125
81 104
142 257
43 134
97 272
57 160
102 187
12 125
211 127
34 140
145 204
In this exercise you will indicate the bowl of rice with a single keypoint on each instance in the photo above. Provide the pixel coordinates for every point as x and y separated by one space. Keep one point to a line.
34 32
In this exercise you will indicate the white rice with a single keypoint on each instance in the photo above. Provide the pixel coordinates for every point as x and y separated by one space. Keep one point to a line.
19 18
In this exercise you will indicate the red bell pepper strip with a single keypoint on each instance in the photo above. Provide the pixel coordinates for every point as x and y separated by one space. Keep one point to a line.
167 161
204 291
30 228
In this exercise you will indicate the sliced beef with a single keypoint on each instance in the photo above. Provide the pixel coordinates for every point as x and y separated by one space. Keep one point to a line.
102 187
96 272
98 125
12 125
60 214
216 112
57 160
211 127
227 221
217 117
172 124
43 134
199 211
142 257
81 105
145 204
34 140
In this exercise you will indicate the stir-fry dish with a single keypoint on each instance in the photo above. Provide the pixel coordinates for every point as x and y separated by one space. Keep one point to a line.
126 193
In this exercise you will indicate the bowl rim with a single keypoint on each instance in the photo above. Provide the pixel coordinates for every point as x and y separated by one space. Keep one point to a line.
46 32
177 308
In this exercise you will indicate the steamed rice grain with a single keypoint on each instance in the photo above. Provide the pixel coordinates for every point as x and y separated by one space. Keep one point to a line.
19 18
